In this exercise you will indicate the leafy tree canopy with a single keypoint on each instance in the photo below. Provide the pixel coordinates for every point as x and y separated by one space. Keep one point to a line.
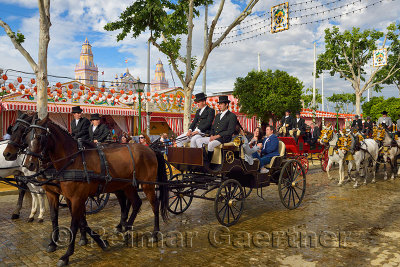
307 97
267 94
343 100
391 105
366 107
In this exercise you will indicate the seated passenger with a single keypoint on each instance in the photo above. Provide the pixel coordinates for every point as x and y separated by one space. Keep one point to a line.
299 127
269 148
221 130
248 148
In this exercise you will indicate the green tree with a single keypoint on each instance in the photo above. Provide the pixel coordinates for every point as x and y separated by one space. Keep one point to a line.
348 54
169 22
307 97
366 107
267 94
391 105
344 100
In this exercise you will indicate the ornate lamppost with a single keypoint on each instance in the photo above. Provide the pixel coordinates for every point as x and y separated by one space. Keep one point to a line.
139 87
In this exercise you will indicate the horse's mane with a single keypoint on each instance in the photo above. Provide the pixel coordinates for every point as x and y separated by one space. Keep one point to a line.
50 122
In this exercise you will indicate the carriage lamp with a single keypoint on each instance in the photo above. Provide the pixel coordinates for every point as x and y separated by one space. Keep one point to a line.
337 108
139 87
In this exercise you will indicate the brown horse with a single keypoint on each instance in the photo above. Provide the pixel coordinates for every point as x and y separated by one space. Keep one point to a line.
16 146
143 165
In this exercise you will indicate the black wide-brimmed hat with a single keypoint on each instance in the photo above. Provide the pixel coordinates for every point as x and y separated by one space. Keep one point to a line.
200 97
384 112
298 113
223 99
288 111
95 116
77 109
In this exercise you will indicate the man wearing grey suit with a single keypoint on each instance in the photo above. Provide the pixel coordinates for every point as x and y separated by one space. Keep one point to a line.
385 121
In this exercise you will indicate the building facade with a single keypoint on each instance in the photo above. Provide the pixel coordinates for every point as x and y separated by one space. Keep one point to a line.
86 71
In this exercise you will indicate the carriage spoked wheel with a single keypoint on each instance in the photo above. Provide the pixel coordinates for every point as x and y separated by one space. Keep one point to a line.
181 197
292 184
247 191
324 159
96 203
304 162
228 203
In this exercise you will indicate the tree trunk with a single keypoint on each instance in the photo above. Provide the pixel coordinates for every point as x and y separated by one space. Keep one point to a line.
44 39
187 108
358 103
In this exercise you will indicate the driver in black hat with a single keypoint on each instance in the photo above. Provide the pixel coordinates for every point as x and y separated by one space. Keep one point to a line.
98 132
357 123
385 121
286 123
222 129
79 125
201 123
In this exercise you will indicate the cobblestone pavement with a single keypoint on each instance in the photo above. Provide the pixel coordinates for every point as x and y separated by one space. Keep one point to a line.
334 226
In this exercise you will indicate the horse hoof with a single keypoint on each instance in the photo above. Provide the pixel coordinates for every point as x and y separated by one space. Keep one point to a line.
30 220
83 242
14 216
62 263
105 246
51 248
40 220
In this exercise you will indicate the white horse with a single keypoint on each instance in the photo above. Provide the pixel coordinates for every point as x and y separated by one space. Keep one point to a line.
390 153
8 168
330 139
368 150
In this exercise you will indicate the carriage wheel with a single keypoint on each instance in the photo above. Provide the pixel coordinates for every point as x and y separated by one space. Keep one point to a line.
247 191
324 159
181 197
292 184
228 204
96 203
168 169
304 162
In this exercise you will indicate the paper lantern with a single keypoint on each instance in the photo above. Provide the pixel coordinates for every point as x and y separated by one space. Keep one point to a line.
3 88
171 95
22 87
58 84
35 89
80 93
109 96
70 86
121 92
92 88
155 95
112 91
102 89
130 93
10 85
163 95
82 87
4 77
33 81
19 79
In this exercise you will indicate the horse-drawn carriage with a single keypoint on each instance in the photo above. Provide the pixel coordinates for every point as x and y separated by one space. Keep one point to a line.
302 150
232 177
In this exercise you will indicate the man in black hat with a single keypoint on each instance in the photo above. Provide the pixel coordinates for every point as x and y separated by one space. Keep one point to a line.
222 129
286 123
385 121
98 132
368 127
299 127
79 125
201 124
357 123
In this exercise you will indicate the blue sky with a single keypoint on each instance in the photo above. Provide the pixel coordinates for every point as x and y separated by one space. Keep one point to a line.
292 50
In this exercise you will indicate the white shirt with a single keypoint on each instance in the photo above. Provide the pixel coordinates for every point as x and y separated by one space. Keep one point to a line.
265 143
222 114
76 122
297 119
201 110
94 128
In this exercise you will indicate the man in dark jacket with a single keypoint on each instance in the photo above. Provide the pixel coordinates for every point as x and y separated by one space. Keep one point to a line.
287 123
98 132
79 125
201 124
357 123
222 129
299 127
313 135
269 148
368 127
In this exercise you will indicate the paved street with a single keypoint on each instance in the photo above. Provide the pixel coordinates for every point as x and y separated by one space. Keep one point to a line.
335 226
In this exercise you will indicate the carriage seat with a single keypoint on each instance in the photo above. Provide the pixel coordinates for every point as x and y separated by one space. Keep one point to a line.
281 150
217 156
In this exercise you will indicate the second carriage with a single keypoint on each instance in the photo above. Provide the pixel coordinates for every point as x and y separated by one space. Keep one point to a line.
232 177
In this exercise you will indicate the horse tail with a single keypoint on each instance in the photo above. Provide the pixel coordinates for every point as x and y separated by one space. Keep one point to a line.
163 187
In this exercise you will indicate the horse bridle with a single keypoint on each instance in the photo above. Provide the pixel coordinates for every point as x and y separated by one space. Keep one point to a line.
42 138
24 123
